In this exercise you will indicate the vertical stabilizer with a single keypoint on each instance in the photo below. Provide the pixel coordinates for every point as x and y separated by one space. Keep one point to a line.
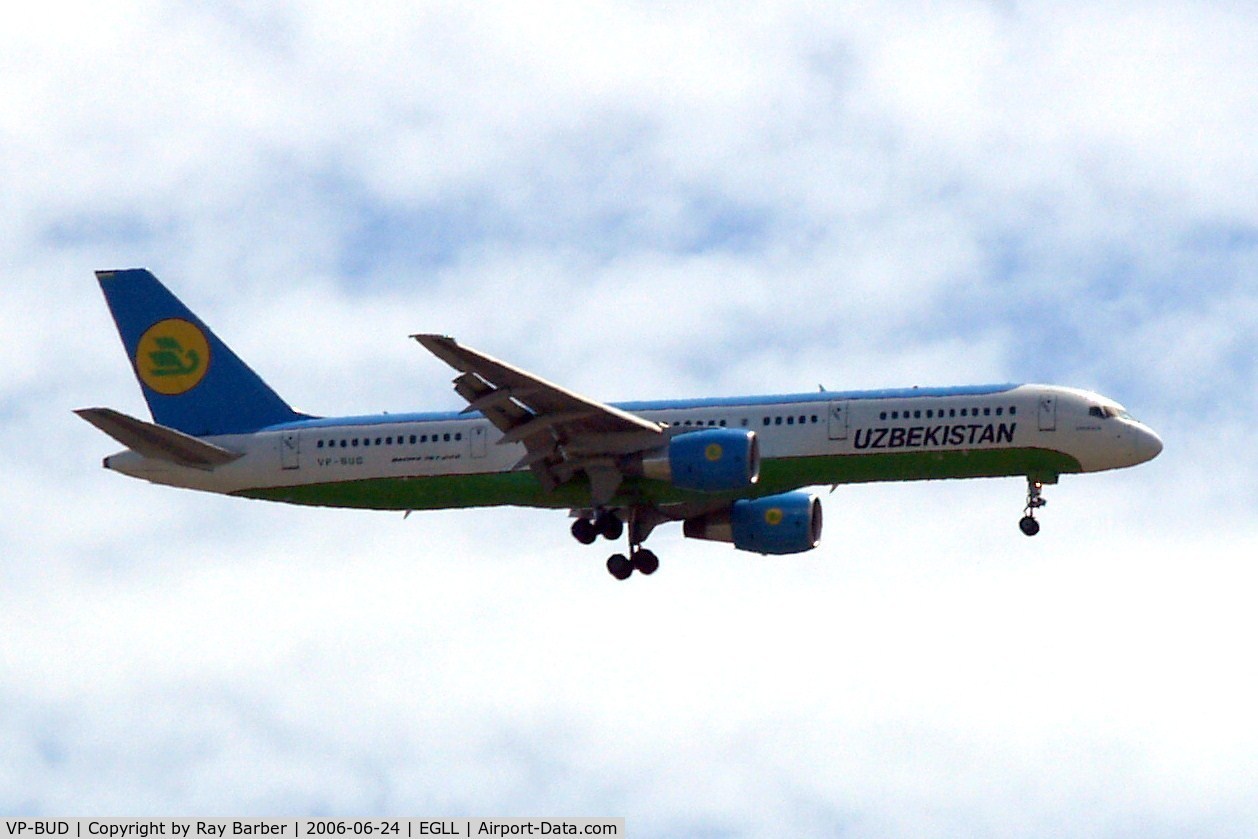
191 380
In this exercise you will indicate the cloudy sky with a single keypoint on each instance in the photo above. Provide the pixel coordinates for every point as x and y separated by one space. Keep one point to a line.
639 201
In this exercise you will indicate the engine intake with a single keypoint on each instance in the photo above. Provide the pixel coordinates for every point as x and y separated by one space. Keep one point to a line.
712 460
789 523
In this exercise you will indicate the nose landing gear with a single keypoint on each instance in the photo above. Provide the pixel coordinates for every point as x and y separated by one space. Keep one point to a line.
1034 500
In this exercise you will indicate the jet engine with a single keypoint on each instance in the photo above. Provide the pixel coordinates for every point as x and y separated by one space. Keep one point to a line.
789 523
712 460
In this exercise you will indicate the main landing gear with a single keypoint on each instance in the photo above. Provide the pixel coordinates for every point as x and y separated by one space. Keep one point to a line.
640 559
606 524
609 525
1034 500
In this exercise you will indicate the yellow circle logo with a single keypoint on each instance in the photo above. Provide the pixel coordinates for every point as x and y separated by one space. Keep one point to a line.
773 516
713 452
172 356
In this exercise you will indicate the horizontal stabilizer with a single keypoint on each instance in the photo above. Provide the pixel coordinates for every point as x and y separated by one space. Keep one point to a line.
158 441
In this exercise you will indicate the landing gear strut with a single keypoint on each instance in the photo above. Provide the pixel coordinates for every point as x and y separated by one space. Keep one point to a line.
1034 500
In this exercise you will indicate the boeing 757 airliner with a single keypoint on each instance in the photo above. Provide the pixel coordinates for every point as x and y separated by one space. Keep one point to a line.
729 469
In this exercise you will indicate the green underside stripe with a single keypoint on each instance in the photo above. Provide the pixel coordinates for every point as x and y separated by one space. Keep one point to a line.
779 475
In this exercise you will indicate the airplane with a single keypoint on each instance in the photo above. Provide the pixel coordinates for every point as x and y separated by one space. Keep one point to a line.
733 470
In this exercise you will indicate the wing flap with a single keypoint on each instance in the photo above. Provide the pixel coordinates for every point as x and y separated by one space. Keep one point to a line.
563 432
532 392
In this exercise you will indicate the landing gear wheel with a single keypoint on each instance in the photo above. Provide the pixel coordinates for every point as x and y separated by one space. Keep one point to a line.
645 562
584 531
609 526
619 566
1034 500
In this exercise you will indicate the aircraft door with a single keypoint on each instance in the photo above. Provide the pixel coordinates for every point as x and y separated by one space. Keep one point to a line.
478 440
838 420
1048 413
290 450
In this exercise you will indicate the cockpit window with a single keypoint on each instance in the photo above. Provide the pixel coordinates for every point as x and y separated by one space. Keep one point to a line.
1109 412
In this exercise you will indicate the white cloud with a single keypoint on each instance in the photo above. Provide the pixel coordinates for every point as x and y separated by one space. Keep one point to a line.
638 202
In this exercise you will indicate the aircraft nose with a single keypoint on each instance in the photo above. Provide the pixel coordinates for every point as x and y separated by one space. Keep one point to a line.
1146 445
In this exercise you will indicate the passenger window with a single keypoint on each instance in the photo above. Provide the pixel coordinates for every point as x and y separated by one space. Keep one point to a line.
895 415
413 441
987 412
882 416
952 412
1000 412
790 420
343 444
319 445
929 414
354 442
1013 409
917 415
445 437
777 420
378 441
423 438
766 420
814 417
963 412
459 436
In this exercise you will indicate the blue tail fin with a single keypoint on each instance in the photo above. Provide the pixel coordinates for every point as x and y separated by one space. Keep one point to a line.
192 381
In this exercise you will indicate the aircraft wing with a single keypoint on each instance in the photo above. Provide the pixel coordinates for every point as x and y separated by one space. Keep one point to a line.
563 432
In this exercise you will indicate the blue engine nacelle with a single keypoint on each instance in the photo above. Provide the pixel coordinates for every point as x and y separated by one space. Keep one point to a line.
712 460
789 523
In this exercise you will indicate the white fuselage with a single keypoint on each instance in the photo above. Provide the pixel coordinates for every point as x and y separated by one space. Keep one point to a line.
1074 430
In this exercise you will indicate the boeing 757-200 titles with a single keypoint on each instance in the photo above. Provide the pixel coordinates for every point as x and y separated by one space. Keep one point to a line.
729 469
